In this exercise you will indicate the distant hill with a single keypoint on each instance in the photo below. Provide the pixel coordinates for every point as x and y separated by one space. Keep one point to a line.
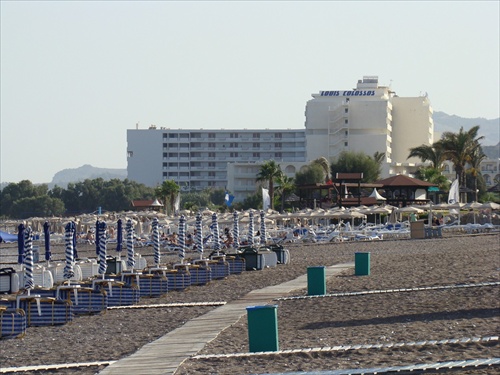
62 178
490 129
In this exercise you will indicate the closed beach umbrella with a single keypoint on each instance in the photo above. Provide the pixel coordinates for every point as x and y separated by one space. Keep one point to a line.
20 243
29 282
199 234
46 235
68 266
262 227
119 236
97 237
75 252
250 229
103 266
182 237
156 241
130 245
236 230
215 230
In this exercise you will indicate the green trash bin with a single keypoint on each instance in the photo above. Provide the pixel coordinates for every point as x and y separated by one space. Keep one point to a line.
361 264
316 281
263 328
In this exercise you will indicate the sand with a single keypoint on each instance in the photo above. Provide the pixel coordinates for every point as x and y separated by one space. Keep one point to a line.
311 322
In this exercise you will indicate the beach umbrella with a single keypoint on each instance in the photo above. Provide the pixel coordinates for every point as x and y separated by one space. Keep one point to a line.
130 245
20 243
75 252
29 282
182 237
236 230
215 230
250 229
156 241
68 238
262 227
97 237
46 235
102 249
199 234
119 237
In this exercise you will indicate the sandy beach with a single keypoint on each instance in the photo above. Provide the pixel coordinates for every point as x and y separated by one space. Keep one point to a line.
381 318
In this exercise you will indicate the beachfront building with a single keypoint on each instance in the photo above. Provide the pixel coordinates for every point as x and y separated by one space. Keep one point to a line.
199 159
369 118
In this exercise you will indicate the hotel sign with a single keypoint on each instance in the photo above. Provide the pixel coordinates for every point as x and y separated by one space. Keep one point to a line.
348 93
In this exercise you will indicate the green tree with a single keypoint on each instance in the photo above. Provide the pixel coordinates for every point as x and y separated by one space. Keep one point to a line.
37 206
459 148
285 186
474 169
434 154
13 192
168 191
309 175
433 176
269 172
356 162
325 165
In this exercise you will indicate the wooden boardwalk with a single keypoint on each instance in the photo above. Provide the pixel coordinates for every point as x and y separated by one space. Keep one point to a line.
166 354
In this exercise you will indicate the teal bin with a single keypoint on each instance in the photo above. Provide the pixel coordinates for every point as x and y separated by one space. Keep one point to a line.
263 328
316 281
362 264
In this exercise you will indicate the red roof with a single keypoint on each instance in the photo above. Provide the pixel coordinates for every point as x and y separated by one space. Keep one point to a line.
402 180
143 203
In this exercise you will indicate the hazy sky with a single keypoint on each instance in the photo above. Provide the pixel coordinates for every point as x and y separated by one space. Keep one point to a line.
76 75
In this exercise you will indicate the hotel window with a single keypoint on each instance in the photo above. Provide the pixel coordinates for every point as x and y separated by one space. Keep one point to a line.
277 144
346 144
211 145
234 154
211 135
277 135
256 154
211 154
346 110
277 155
256 145
130 153
233 135
347 132
211 164
346 121
256 135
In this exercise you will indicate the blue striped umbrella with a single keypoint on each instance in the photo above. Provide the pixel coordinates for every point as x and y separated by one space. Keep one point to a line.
262 228
68 238
119 236
215 230
156 241
46 235
103 266
182 237
29 282
199 234
75 252
130 245
250 229
236 230
97 237
20 243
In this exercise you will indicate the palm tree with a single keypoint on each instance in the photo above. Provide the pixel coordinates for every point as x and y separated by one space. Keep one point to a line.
285 186
269 171
168 189
325 164
434 154
459 148
475 167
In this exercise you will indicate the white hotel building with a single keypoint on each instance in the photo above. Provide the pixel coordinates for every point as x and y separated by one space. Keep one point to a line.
369 119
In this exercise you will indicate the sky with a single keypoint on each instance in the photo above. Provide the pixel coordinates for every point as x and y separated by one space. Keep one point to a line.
75 75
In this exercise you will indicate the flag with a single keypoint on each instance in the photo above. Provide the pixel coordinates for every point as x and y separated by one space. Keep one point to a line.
177 203
228 198
454 194
266 200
